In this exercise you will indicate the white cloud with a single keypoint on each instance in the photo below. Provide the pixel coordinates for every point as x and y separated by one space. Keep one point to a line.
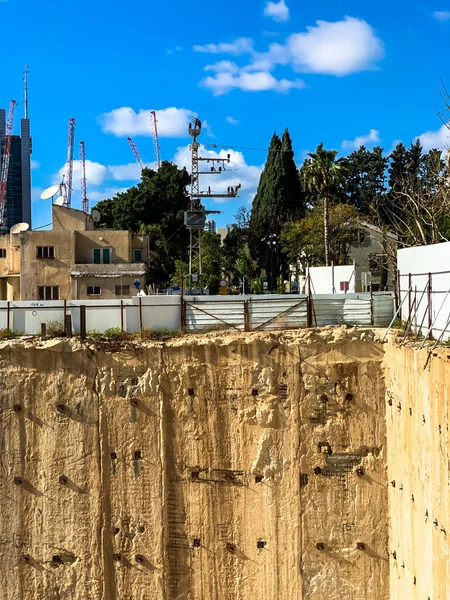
95 174
372 137
224 66
104 193
35 164
124 121
232 121
442 15
222 83
237 47
435 139
278 11
129 172
339 48
238 171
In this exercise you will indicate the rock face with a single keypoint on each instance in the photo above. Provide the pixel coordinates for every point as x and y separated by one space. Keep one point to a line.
215 467
417 417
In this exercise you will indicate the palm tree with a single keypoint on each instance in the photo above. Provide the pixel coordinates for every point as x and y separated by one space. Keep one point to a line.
321 173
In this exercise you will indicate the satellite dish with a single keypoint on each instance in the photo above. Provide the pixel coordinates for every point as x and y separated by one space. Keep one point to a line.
49 192
19 227
95 214
59 201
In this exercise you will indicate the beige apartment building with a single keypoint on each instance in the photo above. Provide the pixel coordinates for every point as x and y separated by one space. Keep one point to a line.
72 261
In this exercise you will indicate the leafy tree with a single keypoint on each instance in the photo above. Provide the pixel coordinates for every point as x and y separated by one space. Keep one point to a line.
303 240
154 206
321 175
211 261
364 184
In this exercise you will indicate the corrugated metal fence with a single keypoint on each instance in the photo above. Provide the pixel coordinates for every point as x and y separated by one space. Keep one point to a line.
268 313
200 313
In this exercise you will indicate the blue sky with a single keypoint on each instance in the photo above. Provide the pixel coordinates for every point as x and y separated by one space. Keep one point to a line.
342 73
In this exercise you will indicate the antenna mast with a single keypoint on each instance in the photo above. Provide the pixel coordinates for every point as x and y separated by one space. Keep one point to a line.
195 216
135 151
5 164
25 91
84 198
69 169
155 139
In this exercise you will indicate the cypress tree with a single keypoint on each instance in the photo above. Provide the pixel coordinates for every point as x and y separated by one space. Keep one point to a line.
279 197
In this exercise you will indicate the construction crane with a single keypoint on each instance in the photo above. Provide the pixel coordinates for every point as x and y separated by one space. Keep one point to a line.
155 139
69 167
5 164
135 151
84 198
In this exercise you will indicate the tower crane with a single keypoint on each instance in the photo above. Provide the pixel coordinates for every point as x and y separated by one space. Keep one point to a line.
84 198
155 139
135 151
69 167
5 164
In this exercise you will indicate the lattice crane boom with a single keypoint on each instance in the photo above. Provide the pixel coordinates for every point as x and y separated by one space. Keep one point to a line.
135 151
5 163
84 198
155 139
69 167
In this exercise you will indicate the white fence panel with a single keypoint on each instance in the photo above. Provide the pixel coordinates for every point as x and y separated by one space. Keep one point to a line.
26 317
383 309
158 312
279 313
3 315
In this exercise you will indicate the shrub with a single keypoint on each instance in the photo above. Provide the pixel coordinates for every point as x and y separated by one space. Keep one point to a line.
6 334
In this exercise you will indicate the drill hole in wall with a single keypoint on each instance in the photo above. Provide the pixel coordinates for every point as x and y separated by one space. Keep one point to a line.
113 455
261 544
255 392
258 478
141 529
17 408
231 548
361 546
320 546
137 455
191 392
56 559
18 480
116 530
61 408
139 559
117 557
348 397
134 402
196 543
195 475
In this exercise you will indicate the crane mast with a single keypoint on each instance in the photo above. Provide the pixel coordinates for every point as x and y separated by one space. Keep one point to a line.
135 151
5 164
69 168
155 139
84 198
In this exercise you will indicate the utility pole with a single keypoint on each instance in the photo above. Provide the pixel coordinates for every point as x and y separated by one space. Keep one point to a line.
195 216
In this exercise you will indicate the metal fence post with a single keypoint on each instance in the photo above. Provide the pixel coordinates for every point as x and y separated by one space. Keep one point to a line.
140 314
43 331
121 315
246 316
409 295
8 316
68 326
430 307
82 321
372 317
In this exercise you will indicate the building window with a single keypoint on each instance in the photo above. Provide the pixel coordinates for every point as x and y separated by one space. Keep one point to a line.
122 290
94 290
137 255
2 252
45 252
102 256
48 292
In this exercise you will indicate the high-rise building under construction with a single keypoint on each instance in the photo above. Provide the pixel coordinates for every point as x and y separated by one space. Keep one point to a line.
18 197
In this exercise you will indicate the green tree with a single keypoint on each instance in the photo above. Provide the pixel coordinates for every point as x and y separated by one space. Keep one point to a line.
154 206
279 197
303 240
364 184
321 175
211 261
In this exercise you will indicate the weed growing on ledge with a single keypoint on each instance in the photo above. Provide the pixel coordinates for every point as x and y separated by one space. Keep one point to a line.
6 334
